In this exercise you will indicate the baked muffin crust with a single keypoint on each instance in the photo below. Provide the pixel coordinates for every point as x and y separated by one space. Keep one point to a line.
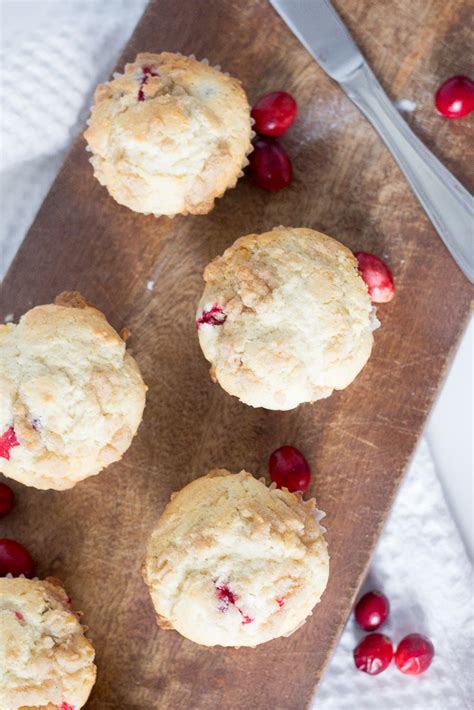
284 318
71 396
232 562
169 135
45 659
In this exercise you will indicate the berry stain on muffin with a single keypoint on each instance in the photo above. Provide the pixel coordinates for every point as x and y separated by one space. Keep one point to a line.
214 316
8 441
146 73
226 597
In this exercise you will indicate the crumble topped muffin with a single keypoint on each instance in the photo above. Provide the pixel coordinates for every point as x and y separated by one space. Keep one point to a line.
71 396
169 135
285 318
45 659
232 562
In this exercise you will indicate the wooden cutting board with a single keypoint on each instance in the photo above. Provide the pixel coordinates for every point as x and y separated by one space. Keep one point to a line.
358 441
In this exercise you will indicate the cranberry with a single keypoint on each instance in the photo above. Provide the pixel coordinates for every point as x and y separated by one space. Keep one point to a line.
147 72
20 617
15 559
371 610
414 654
214 316
7 499
65 706
289 469
270 167
274 113
7 441
373 654
377 276
455 97
227 597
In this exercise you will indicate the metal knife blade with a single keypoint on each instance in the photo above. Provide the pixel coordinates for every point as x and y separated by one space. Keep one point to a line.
446 202
320 29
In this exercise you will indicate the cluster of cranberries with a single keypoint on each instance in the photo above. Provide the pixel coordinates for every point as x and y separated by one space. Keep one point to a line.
14 558
270 167
375 652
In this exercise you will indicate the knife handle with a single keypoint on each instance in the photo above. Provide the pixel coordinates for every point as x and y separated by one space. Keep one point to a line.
447 203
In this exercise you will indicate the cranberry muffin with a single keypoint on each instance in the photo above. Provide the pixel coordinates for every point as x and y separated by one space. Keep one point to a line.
169 135
284 318
45 659
232 562
71 396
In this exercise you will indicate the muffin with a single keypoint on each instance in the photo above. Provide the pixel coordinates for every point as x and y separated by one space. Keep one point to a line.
285 318
234 563
45 659
71 397
169 135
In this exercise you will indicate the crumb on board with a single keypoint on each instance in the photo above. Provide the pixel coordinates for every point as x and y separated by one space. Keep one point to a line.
8 318
150 285
405 105
124 334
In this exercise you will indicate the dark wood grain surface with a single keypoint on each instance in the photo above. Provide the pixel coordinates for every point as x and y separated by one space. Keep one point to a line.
358 441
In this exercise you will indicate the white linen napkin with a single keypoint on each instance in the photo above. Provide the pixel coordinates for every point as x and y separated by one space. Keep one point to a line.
52 55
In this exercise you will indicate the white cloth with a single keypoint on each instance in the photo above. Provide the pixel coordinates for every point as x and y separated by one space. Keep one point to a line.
421 565
52 55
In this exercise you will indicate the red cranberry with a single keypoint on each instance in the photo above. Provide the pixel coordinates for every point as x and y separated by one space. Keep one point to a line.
377 276
214 316
373 654
227 597
7 441
455 97
414 654
289 469
274 113
371 610
20 617
7 499
270 167
65 706
147 71
15 559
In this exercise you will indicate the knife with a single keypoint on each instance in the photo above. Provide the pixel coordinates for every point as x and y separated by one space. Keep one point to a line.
446 202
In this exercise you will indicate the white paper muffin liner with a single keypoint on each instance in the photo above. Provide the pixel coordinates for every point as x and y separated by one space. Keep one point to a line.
310 503
374 321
